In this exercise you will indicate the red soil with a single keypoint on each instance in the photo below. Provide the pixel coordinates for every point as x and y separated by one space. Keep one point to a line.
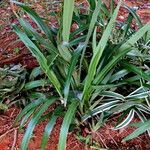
112 139
10 137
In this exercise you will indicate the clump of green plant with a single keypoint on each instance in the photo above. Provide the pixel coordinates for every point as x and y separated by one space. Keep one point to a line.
17 85
87 68
11 82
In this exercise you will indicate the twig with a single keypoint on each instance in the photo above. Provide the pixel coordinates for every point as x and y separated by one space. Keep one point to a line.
3 135
12 112
113 140
15 140
3 117
104 144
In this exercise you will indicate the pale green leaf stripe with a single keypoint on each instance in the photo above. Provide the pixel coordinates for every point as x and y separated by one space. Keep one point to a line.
113 95
94 39
48 130
126 121
139 95
137 91
124 49
102 108
65 125
34 121
67 19
143 108
98 53
124 106
40 58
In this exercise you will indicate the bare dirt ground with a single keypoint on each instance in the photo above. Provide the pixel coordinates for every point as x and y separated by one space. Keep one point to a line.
12 51
10 137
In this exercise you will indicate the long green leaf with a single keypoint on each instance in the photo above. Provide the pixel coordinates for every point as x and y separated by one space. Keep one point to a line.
135 37
32 105
118 75
126 121
67 19
92 4
99 109
35 84
31 31
123 50
74 61
137 132
113 95
139 96
34 121
65 125
124 106
40 58
36 18
26 117
98 53
143 108
134 14
94 44
90 30
136 70
48 130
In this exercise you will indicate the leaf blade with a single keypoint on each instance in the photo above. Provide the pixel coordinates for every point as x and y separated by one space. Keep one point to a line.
65 125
